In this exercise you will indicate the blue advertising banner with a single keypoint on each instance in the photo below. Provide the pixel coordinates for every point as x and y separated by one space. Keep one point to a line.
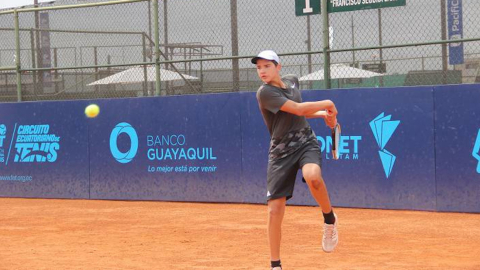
255 145
455 31
457 139
43 150
180 148
382 162
402 148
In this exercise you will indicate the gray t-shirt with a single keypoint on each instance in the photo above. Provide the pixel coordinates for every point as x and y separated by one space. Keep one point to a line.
288 132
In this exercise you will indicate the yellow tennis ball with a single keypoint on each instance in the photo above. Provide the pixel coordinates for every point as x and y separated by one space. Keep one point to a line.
92 110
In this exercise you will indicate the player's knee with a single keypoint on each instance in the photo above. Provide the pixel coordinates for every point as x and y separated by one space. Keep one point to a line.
275 210
315 181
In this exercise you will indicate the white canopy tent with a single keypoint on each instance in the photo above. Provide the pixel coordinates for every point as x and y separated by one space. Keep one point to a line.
137 75
339 71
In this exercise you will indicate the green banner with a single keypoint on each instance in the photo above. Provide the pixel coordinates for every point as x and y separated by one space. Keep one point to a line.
352 5
311 7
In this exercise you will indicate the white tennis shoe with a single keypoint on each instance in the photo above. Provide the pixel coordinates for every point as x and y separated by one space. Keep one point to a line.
330 236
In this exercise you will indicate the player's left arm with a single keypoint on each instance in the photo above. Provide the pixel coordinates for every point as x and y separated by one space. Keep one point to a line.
320 114
324 114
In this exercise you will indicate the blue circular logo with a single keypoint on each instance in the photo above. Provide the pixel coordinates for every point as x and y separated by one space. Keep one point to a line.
116 153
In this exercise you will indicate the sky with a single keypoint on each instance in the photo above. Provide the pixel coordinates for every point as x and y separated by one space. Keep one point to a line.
18 3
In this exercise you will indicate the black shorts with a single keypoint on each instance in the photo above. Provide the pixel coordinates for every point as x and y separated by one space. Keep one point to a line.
281 173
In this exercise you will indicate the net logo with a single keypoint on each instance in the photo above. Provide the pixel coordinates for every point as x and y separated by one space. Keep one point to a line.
3 132
383 128
476 151
124 157
348 147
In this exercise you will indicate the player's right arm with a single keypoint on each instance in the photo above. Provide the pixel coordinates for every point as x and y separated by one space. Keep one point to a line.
309 108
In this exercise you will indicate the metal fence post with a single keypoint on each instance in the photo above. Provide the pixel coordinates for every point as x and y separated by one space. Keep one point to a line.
17 57
443 22
157 48
145 80
309 48
95 61
326 46
234 37
34 64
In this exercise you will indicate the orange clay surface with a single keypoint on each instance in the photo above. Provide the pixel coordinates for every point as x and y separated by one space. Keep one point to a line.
82 234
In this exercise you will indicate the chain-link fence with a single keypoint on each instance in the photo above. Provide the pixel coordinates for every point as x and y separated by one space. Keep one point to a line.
86 49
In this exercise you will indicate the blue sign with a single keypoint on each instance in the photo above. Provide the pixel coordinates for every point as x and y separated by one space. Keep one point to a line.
456 139
359 178
382 162
455 31
44 150
165 149
162 148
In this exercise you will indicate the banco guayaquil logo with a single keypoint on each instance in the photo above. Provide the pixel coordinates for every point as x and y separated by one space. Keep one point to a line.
124 157
476 151
29 144
383 128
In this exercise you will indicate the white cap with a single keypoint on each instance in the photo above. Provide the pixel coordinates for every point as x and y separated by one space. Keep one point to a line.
267 55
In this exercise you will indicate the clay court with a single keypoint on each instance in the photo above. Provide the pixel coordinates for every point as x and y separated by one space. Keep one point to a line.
83 234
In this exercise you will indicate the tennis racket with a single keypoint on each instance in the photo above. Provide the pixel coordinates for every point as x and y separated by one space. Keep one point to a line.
336 133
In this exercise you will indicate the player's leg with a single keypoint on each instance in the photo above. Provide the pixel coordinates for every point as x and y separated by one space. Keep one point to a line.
312 173
276 211
310 163
281 176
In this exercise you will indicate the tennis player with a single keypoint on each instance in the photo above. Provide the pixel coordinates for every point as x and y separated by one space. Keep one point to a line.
293 146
